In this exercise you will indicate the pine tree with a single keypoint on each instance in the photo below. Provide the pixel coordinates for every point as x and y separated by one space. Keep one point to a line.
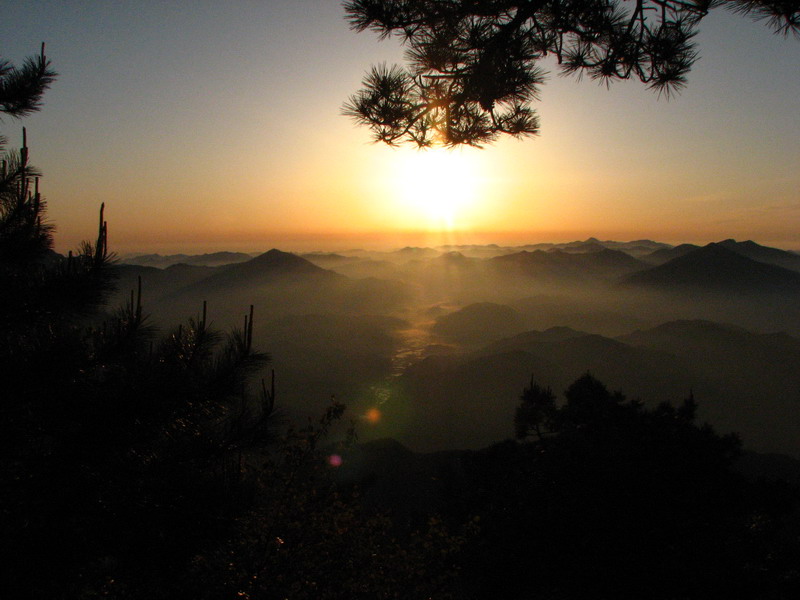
473 65
123 454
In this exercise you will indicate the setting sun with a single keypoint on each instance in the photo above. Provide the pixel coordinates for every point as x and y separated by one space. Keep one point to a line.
439 185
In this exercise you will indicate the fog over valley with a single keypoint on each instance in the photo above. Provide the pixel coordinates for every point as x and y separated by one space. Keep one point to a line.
442 341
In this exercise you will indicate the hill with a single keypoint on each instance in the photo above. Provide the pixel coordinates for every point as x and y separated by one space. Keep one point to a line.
272 266
663 255
155 282
281 283
715 268
744 382
556 264
478 323
765 254
215 259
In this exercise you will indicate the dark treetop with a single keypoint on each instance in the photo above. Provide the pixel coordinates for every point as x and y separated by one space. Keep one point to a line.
473 64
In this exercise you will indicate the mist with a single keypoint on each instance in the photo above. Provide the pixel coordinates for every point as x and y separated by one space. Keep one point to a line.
442 341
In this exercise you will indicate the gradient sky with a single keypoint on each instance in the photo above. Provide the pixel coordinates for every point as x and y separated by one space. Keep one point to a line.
206 126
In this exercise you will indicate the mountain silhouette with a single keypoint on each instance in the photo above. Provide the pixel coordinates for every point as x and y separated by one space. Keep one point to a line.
590 245
753 376
410 252
451 261
271 267
214 259
478 323
533 339
282 283
362 268
635 248
327 260
156 282
745 382
715 268
765 254
701 338
558 264
663 255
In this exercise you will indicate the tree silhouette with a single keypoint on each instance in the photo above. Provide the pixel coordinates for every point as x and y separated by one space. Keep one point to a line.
473 65
122 454
135 464
22 88
622 501
536 413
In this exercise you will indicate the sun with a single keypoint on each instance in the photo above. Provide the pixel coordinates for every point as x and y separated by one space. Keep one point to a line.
438 184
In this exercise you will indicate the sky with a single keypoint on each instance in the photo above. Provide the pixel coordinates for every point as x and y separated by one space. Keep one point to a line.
208 126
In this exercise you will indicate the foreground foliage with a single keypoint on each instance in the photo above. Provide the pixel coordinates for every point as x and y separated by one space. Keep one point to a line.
609 499
473 65
308 536
139 465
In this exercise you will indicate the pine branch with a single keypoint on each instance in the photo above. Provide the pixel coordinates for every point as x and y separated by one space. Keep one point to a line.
22 88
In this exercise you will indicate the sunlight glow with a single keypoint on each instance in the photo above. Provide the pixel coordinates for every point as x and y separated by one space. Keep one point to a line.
439 185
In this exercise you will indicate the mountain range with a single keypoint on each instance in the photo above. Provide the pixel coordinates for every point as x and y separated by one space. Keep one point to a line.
483 322
721 267
745 382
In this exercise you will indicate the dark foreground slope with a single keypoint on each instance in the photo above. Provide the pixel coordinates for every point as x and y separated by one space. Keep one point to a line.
602 498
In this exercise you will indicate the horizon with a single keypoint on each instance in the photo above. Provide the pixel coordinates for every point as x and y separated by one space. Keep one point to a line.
378 243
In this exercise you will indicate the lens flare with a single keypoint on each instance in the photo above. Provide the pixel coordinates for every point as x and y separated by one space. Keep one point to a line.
372 416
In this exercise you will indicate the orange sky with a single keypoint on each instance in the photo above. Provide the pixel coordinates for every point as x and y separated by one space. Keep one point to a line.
220 129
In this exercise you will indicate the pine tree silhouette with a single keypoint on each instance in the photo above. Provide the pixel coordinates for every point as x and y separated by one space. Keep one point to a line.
123 454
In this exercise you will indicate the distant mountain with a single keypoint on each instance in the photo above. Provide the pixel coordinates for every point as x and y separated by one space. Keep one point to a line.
326 260
663 255
765 254
701 338
641 248
281 283
469 401
453 268
754 378
362 268
156 282
410 252
558 264
478 251
715 268
533 339
581 247
215 259
635 248
745 382
454 259
270 267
